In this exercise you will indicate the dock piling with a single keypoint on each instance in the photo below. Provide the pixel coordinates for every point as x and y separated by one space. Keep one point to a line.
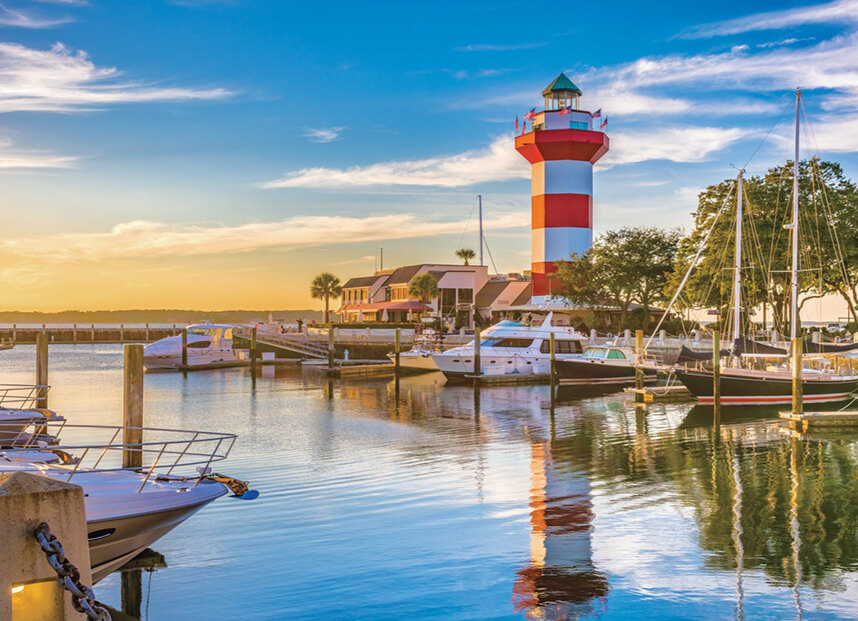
147 332
92 333
716 370
639 349
132 407
331 347
121 333
552 367
397 345
184 347
74 333
253 345
797 388
478 367
42 368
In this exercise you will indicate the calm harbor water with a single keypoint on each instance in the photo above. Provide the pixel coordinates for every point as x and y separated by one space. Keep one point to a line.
443 503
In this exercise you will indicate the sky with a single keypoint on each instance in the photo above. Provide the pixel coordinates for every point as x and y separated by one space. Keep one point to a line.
219 154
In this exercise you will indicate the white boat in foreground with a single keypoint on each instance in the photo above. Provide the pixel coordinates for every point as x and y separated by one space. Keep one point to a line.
128 510
207 344
511 348
419 357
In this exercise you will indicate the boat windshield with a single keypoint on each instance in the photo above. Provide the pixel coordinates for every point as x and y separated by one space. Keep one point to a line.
506 343
200 331
596 353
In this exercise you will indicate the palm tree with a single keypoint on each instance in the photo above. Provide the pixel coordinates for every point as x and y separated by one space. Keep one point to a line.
423 287
326 286
466 254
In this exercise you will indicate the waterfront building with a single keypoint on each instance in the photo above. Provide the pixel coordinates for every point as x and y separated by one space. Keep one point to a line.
466 295
562 145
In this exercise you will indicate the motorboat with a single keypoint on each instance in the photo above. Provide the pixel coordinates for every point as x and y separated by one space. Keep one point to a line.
419 357
207 344
18 411
603 364
128 510
512 348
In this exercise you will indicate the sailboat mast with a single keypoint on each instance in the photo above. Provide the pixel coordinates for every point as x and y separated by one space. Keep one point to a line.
794 269
480 200
737 268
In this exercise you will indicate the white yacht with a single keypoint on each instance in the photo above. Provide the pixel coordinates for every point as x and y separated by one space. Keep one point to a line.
510 348
129 510
207 344
18 411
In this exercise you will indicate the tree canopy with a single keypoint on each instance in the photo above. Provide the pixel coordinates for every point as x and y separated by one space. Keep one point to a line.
623 267
423 287
828 241
466 254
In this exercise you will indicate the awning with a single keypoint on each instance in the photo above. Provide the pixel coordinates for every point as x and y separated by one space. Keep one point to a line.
395 305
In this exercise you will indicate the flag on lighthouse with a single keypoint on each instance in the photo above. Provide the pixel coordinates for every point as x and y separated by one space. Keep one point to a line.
604 123
565 110
530 114
516 122
596 114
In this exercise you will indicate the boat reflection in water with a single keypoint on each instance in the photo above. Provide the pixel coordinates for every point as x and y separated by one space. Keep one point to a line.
561 581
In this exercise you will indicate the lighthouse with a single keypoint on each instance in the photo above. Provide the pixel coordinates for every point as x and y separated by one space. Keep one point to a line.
561 146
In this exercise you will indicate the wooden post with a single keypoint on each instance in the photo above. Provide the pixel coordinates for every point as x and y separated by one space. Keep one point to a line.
184 348
552 364
716 370
92 333
42 368
253 333
147 332
74 333
639 348
397 345
14 332
121 333
331 347
29 590
132 407
478 367
797 388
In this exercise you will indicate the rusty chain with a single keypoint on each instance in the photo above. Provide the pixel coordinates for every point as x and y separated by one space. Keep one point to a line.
83 597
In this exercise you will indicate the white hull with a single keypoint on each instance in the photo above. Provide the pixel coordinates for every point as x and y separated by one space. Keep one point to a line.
207 344
460 363
174 362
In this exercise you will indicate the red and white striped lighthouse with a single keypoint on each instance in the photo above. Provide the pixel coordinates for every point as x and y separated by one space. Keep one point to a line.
562 147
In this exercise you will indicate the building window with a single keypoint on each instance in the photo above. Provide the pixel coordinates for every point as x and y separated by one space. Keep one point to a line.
466 296
578 125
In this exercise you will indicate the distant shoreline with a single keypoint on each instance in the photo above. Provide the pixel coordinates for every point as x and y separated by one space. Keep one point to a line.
162 316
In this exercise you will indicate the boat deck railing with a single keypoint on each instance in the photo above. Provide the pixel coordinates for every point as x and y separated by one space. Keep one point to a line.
100 448
22 396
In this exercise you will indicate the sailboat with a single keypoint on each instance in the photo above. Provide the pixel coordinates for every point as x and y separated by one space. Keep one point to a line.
741 386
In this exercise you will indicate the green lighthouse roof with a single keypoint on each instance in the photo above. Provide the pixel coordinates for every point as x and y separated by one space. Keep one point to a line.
560 83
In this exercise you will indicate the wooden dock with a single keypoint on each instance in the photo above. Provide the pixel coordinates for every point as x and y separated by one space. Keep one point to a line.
660 394
88 334
842 419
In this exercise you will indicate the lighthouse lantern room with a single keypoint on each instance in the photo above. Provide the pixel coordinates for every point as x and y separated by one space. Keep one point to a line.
561 146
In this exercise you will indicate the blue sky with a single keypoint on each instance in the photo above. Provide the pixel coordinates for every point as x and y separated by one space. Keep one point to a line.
219 154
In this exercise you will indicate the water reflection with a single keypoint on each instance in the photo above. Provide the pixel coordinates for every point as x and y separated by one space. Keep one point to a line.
561 580
386 500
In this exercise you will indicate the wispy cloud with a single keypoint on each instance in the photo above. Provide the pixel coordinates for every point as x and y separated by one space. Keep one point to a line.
62 80
837 12
497 162
323 134
676 144
19 18
158 239
787 41
491 47
12 158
